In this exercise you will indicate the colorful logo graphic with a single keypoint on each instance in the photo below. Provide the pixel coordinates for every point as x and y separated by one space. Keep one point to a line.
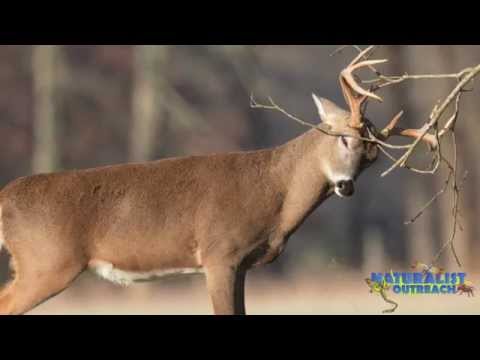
423 280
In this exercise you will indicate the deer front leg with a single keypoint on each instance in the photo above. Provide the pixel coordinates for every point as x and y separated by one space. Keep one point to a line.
226 287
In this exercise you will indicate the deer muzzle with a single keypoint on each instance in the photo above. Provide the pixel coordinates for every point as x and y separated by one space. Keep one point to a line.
344 188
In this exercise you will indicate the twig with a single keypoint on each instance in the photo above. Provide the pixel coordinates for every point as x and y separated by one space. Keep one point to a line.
394 80
431 201
273 106
435 116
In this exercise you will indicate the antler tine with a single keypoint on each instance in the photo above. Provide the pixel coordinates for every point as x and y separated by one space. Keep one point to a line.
354 94
391 125
392 129
362 54
347 74
353 101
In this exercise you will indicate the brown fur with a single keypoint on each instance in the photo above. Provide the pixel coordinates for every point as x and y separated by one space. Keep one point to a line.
223 213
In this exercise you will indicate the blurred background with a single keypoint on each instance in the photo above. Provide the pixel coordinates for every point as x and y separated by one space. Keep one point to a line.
73 107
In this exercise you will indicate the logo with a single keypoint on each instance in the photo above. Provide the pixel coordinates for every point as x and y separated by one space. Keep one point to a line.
423 280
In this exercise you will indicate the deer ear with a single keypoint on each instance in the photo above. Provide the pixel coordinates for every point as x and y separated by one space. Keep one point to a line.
320 107
328 111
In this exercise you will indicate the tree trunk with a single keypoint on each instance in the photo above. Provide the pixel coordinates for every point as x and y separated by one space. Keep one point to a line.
148 99
467 241
45 64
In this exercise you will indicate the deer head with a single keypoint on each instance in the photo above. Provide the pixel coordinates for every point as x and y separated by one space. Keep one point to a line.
348 152
344 156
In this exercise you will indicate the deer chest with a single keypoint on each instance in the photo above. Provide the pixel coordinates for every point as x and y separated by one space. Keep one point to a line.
268 251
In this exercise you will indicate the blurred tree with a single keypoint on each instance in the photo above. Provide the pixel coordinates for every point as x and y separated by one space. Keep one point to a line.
149 99
394 230
46 63
370 231
245 68
430 232
467 240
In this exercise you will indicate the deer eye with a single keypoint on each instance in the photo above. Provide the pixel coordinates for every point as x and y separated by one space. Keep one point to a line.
344 141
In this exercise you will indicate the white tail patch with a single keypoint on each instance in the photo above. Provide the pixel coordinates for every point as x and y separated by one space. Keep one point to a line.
108 272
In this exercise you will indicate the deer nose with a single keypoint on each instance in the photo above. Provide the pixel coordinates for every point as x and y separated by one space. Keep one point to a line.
345 188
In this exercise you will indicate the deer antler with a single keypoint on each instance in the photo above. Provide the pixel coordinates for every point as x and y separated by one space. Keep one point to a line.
392 129
354 94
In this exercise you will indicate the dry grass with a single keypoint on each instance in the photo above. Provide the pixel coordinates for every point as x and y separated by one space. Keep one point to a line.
339 293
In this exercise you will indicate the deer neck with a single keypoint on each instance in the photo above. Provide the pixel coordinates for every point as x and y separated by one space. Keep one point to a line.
305 184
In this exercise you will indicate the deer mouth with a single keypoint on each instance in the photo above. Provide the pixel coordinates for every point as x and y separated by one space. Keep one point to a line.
344 188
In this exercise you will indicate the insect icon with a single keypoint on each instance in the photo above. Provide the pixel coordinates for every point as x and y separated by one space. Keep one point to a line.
421 267
466 288
380 288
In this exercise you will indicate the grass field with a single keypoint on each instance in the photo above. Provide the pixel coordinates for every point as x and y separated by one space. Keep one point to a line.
336 293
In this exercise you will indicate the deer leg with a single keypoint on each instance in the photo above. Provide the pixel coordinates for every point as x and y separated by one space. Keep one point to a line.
31 287
6 299
240 292
226 286
22 295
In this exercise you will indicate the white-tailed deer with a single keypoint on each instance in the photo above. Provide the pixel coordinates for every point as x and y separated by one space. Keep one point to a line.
217 214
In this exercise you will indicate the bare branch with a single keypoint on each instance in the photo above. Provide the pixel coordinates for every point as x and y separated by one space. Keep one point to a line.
434 118
273 106
431 132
